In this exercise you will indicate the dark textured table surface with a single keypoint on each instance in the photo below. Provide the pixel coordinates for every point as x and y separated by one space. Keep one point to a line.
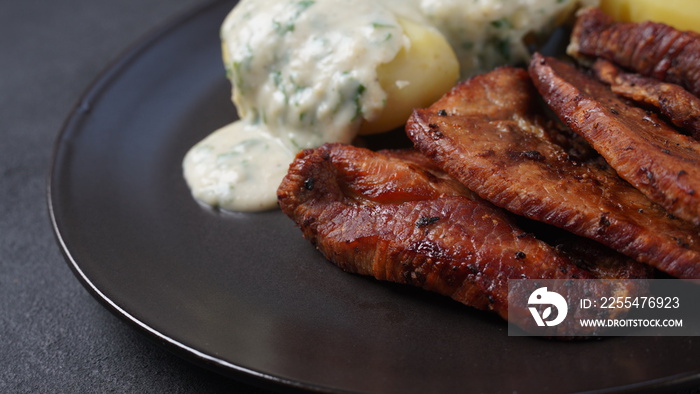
54 336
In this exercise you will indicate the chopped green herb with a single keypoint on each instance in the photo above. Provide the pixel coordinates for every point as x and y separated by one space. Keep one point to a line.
283 28
304 4
358 97
502 23
288 26
377 25
503 48
277 78
294 142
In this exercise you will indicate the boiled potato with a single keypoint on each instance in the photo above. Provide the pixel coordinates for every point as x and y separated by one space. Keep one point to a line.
681 14
419 75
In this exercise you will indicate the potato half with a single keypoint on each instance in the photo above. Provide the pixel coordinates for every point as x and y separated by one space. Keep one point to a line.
419 75
681 14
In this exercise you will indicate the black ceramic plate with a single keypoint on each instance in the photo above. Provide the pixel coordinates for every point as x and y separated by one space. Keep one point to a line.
244 294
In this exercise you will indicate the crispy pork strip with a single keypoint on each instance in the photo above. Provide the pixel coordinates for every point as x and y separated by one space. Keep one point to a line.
680 106
652 49
396 217
643 149
489 133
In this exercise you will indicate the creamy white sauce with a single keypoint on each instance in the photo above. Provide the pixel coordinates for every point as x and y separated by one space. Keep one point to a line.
305 72
237 167
308 69
488 33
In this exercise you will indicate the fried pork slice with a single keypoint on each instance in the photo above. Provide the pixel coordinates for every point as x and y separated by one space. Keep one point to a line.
652 49
680 106
490 134
643 149
394 216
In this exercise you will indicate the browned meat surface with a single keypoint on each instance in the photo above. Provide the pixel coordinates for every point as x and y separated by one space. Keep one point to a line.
585 253
652 49
395 217
680 106
489 133
644 150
